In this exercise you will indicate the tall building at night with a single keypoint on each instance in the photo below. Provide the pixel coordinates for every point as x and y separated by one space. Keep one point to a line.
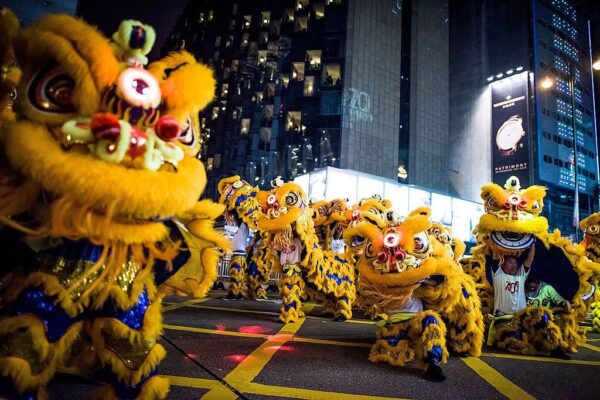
502 53
306 84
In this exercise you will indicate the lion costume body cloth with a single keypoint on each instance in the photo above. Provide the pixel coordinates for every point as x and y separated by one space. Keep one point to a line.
428 303
510 226
293 248
99 205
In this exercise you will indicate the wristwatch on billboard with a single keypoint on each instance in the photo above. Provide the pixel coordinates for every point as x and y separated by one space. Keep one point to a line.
509 135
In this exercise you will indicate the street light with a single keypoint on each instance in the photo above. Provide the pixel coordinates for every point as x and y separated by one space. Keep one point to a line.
546 84
596 64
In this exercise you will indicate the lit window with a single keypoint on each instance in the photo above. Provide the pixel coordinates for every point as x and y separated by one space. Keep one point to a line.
298 71
265 18
293 121
309 86
245 126
301 24
331 75
313 57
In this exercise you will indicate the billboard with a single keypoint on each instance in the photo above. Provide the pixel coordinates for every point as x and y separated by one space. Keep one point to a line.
510 129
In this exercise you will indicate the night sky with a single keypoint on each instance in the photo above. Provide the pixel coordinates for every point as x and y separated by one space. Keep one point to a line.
107 14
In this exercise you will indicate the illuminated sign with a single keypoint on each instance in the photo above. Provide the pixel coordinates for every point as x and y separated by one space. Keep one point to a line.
510 129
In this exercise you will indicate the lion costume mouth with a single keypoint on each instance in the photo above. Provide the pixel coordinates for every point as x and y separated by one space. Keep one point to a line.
513 241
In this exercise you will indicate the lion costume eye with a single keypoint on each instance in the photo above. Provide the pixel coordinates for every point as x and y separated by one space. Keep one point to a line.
491 202
291 199
592 229
187 136
357 241
52 90
370 251
421 243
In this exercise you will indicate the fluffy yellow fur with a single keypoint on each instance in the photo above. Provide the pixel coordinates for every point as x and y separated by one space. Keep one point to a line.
130 193
489 223
189 86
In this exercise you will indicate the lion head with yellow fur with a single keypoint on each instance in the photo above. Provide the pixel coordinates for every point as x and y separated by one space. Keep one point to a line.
591 236
241 200
103 148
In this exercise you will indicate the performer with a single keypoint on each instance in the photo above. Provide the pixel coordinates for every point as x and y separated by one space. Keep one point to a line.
429 304
99 191
509 284
308 270
246 274
513 227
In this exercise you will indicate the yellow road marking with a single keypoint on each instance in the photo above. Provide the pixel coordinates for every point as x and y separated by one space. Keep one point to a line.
186 303
197 383
265 336
250 367
542 359
215 331
497 380
331 342
590 346
238 310
298 393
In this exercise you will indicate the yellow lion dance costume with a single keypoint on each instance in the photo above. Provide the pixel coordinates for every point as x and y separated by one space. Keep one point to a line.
430 304
293 246
591 241
510 226
244 210
99 192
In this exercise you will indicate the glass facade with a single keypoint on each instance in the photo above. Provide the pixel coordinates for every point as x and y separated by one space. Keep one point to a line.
280 72
561 52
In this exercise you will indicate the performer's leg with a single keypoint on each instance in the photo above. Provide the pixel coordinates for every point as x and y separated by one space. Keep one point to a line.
255 281
393 345
125 341
428 332
291 287
237 272
465 324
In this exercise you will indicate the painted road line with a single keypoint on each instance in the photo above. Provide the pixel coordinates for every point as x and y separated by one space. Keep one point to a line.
541 359
215 331
298 393
497 380
259 312
253 364
590 346
187 303
265 336
196 383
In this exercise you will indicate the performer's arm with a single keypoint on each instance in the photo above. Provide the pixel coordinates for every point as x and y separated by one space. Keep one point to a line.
529 260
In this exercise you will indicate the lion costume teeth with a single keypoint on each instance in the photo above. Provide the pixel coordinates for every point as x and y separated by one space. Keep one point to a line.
97 164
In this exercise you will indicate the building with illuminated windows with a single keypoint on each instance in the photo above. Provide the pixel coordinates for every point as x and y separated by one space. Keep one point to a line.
309 84
502 54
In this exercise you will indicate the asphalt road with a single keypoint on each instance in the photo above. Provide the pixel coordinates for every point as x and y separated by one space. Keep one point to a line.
227 349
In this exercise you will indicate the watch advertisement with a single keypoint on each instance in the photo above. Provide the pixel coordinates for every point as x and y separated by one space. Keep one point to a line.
510 129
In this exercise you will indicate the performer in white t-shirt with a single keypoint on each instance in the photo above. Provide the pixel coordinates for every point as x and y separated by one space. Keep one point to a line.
509 284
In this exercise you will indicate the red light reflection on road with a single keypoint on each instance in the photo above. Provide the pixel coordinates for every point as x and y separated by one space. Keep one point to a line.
236 357
257 329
